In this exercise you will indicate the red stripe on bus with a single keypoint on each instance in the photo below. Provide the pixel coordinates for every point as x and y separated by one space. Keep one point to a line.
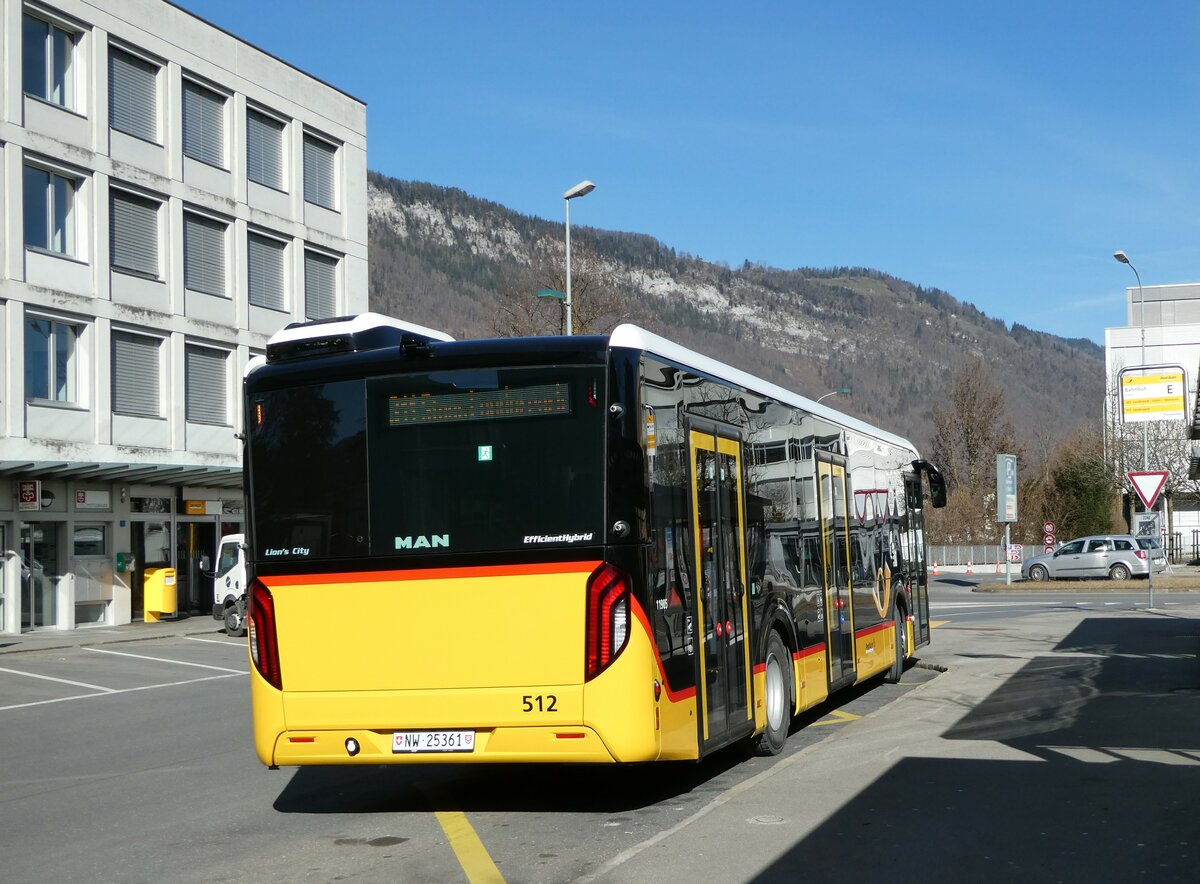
673 696
431 574
871 630
808 652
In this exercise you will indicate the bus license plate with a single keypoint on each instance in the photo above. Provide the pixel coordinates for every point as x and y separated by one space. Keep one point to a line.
433 741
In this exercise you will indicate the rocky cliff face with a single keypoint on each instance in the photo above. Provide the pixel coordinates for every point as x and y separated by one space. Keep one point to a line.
448 260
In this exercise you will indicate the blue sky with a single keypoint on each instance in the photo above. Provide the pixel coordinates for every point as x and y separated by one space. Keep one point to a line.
1000 152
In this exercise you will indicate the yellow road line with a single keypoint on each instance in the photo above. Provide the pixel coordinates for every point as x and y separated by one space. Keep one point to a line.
472 855
838 717
934 624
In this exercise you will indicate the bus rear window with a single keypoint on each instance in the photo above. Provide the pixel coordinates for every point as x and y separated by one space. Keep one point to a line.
486 460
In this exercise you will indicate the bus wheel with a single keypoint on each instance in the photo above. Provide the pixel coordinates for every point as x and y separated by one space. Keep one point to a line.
778 698
893 675
235 621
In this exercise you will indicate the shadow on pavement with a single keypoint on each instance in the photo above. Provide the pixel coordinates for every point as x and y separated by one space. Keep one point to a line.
1109 790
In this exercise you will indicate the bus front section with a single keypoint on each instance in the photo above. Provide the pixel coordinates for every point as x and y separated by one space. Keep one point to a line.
434 579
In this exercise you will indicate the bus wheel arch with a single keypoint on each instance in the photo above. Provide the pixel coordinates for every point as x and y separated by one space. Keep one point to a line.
778 695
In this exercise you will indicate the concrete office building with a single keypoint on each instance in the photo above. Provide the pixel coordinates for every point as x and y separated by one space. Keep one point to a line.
1169 316
173 196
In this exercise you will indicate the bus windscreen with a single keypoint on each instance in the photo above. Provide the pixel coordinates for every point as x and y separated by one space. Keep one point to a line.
442 462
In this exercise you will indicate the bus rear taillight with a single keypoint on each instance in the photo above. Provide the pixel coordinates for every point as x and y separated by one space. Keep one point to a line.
264 641
607 629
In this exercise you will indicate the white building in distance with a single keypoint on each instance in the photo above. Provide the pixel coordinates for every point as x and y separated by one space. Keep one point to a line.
173 197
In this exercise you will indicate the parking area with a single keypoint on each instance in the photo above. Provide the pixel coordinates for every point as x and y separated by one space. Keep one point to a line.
85 672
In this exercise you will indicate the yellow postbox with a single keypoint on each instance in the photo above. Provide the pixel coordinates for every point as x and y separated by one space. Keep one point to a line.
158 598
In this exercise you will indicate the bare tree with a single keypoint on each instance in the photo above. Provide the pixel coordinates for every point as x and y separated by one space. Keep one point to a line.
968 434
597 304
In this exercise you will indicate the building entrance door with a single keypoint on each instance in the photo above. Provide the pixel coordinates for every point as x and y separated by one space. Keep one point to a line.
39 574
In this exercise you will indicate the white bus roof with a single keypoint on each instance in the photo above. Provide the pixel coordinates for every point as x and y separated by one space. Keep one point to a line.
634 337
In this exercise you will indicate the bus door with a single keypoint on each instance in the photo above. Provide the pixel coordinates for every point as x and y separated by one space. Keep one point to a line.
718 529
835 562
916 566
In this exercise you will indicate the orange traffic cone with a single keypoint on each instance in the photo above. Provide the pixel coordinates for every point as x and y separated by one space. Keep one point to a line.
968 566
935 570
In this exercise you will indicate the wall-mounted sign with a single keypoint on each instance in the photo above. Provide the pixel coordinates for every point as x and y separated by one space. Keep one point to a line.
93 500
29 495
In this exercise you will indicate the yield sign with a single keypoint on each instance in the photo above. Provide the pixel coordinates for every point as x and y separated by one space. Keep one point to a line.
1147 484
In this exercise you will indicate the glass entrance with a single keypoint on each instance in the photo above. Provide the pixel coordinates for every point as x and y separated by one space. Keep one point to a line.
719 517
39 574
835 558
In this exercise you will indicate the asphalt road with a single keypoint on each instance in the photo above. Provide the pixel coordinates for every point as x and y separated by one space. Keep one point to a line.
133 762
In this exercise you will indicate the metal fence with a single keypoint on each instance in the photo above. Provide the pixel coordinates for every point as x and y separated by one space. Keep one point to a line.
1182 547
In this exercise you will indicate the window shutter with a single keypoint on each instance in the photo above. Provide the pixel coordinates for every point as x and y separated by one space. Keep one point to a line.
205 385
203 124
265 272
204 255
134 233
132 95
320 285
264 150
319 168
135 374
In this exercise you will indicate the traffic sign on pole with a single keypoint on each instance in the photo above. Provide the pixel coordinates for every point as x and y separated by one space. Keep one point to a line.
1147 484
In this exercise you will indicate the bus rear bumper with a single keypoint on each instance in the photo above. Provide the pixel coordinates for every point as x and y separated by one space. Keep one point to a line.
496 745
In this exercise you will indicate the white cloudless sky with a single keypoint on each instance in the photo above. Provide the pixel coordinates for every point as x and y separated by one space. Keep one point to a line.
1000 152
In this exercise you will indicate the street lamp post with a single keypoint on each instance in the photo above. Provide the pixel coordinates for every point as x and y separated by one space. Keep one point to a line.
583 188
840 391
1124 259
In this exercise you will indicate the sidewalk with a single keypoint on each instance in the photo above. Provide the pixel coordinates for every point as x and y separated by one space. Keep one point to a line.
1067 750
54 639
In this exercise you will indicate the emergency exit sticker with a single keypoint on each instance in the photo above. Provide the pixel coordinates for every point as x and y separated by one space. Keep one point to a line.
485 453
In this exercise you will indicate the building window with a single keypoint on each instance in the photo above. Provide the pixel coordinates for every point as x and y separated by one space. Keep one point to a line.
204 254
204 385
135 363
133 233
133 95
320 285
90 539
264 149
48 61
319 172
50 359
203 124
50 210
265 282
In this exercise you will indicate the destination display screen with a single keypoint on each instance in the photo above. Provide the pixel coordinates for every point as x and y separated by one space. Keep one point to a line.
417 409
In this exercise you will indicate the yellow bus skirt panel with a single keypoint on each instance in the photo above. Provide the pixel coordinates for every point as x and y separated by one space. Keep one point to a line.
266 704
812 687
679 738
875 649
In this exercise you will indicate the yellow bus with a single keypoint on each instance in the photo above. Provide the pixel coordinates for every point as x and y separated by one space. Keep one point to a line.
583 549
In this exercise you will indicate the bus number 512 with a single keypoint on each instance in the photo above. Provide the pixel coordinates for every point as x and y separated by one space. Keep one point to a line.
539 703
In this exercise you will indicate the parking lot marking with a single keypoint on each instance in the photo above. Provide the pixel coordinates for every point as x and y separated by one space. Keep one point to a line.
165 660
76 684
240 643
476 862
112 692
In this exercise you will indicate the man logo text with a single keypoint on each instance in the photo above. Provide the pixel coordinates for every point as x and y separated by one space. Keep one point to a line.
433 541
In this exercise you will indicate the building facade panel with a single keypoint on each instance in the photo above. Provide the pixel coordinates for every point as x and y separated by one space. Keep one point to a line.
134 154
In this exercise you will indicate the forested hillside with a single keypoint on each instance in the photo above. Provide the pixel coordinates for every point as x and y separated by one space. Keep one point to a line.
470 267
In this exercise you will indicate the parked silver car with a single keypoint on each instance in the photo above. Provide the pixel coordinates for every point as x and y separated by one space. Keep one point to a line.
1118 556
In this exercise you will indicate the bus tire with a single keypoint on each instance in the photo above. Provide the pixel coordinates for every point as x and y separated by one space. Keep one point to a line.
235 620
893 675
778 698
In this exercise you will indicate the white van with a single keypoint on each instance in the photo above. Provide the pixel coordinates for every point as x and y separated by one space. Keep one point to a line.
229 584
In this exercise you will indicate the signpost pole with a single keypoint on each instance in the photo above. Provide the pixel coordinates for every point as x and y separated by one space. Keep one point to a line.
1148 484
1007 554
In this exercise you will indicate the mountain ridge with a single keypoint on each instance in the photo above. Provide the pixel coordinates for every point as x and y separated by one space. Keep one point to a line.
445 259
